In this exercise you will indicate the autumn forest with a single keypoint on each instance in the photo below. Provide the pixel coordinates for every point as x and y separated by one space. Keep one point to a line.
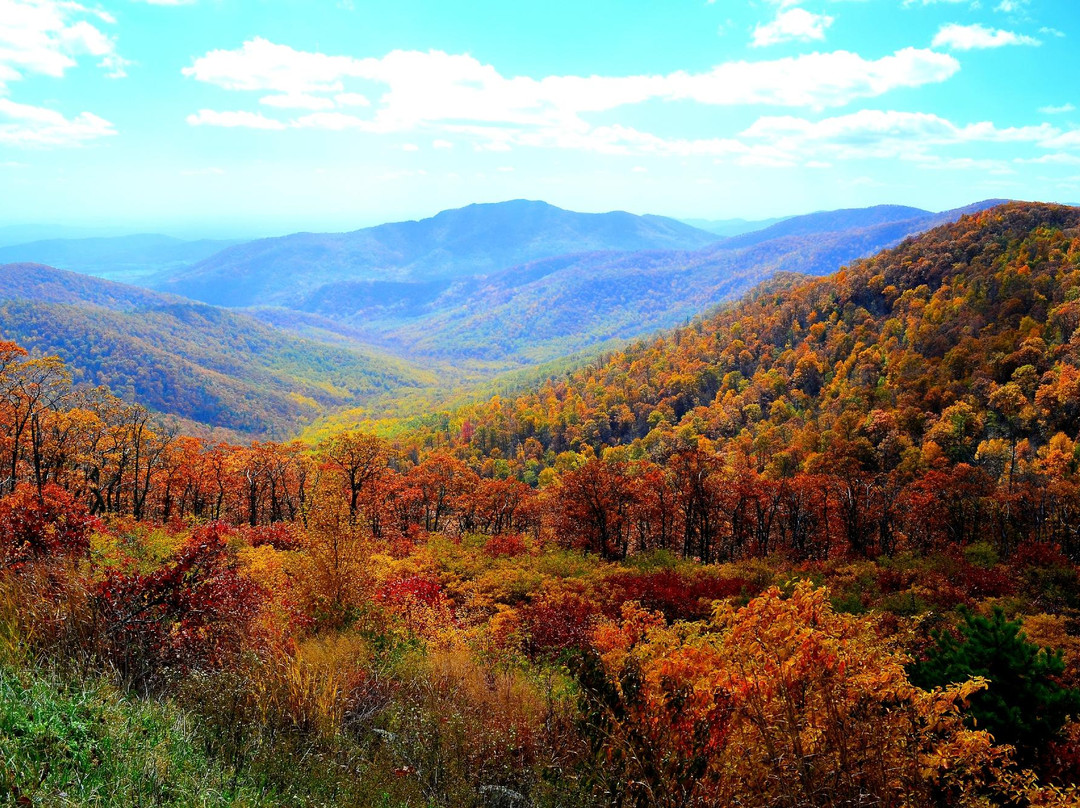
819 546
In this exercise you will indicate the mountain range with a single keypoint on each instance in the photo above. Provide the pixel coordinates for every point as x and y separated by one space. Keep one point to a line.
960 345
538 311
308 324
132 259
455 244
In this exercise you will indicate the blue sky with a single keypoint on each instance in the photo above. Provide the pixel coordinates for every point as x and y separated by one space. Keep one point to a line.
263 116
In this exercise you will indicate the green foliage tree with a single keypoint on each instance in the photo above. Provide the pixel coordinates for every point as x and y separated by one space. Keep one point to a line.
1024 705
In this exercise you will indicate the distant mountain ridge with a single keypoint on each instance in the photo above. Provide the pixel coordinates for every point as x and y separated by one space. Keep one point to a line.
130 258
475 240
555 306
726 228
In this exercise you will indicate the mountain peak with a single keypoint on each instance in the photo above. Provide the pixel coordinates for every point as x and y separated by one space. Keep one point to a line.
475 240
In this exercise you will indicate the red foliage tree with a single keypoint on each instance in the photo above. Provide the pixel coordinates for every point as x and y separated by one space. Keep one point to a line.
35 526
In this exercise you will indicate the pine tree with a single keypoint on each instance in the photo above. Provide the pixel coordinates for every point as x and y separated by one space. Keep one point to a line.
1025 705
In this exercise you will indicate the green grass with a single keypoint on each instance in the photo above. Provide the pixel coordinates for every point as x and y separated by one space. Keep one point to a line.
86 744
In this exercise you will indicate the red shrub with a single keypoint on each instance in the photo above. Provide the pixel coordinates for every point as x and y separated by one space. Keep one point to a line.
279 535
192 613
34 527
1038 554
893 580
413 590
983 582
1059 762
943 593
677 596
507 545
556 622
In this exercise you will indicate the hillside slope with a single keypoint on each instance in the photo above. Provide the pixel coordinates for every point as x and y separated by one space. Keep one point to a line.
960 345
474 240
211 366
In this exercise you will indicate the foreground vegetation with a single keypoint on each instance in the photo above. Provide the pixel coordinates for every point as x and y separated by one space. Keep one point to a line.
861 588
228 666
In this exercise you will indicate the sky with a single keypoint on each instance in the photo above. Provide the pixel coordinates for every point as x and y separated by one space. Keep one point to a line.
253 117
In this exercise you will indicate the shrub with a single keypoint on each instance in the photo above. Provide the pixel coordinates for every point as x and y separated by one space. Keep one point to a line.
783 702
35 526
191 614
556 622
678 596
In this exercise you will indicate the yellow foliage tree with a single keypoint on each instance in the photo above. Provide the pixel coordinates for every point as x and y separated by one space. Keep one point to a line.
784 702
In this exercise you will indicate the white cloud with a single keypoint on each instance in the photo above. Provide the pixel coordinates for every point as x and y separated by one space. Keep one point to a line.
334 121
1056 158
448 94
263 65
45 37
796 24
445 92
985 166
1064 140
815 80
1057 110
166 2
212 171
30 126
352 100
249 120
297 101
879 134
973 37
1011 6
441 144
410 147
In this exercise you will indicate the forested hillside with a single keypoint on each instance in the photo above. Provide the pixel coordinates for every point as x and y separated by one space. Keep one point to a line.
961 336
207 365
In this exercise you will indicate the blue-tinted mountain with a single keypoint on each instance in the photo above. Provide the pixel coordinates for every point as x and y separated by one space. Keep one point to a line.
463 243
726 228
830 221
549 308
124 258
12 234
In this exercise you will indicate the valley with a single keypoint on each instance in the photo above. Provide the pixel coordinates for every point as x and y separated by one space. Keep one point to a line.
389 321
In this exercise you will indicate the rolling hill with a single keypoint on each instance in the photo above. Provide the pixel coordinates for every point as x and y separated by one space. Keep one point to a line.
455 244
212 367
